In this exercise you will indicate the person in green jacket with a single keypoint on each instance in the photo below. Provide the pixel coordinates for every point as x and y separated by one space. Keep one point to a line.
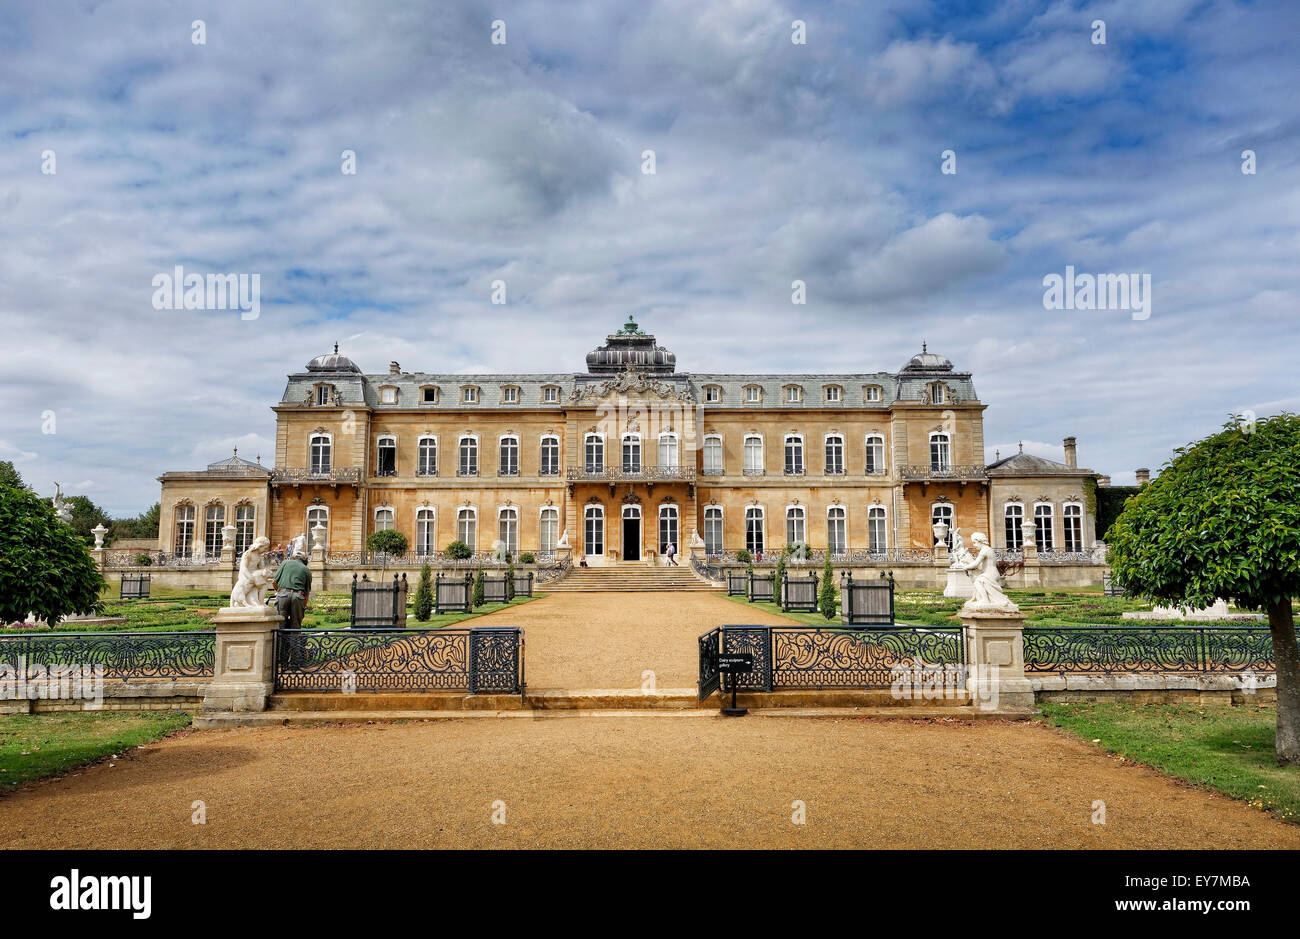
292 590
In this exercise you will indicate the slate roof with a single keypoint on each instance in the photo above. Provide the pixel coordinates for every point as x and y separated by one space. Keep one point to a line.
1025 464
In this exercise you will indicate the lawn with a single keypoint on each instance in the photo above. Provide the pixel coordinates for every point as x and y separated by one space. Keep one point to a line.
1227 749
33 746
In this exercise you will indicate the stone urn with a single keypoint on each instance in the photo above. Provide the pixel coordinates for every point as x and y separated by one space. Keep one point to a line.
99 531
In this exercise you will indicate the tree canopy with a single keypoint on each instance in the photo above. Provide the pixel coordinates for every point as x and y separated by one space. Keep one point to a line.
45 568
9 475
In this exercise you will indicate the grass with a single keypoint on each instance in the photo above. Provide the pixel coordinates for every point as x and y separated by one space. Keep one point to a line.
34 746
808 619
1226 749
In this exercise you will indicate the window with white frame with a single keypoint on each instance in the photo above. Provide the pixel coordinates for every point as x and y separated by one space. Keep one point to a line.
834 455
594 447
425 531
873 394
386 456
214 521
548 531
245 519
754 530
593 540
940 453
429 395
323 394
468 462
469 395
793 394
388 395
509 395
938 394
793 455
713 530
753 394
796 525
318 515
427 457
1072 522
467 526
319 449
875 455
668 451
1013 516
1043 527
508 530
712 394
631 453
551 394
834 394
943 512
753 455
712 455
668 528
385 519
509 463
550 456
837 531
877 541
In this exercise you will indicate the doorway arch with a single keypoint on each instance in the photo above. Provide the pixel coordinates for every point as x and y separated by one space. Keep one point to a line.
631 532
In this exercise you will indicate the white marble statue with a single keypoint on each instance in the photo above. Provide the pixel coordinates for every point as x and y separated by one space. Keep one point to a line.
61 510
960 555
297 546
696 540
254 579
987 596
564 539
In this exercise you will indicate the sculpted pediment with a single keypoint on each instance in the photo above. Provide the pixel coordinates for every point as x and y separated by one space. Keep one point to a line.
629 385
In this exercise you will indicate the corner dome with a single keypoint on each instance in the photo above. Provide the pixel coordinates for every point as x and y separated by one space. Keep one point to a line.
926 361
333 362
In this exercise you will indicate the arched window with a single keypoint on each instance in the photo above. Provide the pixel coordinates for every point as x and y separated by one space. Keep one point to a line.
668 451
1072 519
386 455
214 521
425 531
713 530
594 449
593 540
795 528
245 518
940 453
631 453
549 464
754 455
837 531
712 455
793 455
943 512
385 518
1014 522
183 544
467 527
754 529
508 529
318 515
319 448
668 528
548 531
1043 527
834 455
877 541
875 455
468 465
427 464
509 465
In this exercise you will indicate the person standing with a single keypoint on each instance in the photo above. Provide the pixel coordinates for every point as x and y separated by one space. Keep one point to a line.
292 590
672 555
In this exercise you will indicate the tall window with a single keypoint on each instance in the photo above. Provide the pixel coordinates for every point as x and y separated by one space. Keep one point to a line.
468 457
713 529
427 457
548 531
550 459
593 541
631 453
668 528
1072 519
668 451
877 542
940 453
753 455
793 455
214 521
834 455
467 526
318 515
1014 520
323 394
754 530
875 455
386 457
245 516
712 456
942 512
837 535
1043 527
385 519
424 531
509 457
595 453
795 530
937 394
508 530
184 541
320 453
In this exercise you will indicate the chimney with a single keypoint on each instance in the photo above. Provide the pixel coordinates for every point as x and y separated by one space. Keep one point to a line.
1144 476
1103 481
1071 453
394 368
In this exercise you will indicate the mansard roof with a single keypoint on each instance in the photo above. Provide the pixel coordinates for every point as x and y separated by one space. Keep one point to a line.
1026 464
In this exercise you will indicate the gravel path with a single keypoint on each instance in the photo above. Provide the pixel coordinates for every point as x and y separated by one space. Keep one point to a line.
631 782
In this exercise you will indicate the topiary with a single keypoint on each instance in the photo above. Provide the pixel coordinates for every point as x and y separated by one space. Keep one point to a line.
478 588
510 582
388 541
459 551
826 593
424 595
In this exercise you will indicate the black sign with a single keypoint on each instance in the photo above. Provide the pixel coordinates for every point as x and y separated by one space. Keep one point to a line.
735 662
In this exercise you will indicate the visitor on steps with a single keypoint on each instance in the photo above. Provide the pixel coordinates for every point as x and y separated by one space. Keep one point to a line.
671 552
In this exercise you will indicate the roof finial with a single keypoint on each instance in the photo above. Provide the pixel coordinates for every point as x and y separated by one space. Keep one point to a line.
997 455
1022 446
259 459
236 449
336 348
923 347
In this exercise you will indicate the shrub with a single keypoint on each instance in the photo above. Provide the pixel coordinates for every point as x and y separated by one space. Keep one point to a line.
510 582
143 560
478 588
459 551
527 558
389 542
45 568
424 595
744 557
826 593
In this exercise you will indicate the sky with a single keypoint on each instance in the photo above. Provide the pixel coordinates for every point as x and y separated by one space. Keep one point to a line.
523 161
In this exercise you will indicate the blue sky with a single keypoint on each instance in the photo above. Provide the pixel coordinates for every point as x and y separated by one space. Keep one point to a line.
522 162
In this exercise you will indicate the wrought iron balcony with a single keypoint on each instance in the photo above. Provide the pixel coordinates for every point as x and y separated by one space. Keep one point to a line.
929 472
297 475
646 474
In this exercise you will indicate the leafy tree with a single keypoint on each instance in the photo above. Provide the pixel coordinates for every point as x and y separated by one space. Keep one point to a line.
744 557
389 541
1223 520
478 588
826 593
9 476
144 525
45 568
779 578
85 516
424 595
459 551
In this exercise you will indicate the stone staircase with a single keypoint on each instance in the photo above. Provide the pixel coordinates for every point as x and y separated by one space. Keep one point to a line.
630 577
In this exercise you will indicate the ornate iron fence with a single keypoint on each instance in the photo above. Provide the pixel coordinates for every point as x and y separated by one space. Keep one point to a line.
612 474
123 655
486 660
1108 650
556 572
710 678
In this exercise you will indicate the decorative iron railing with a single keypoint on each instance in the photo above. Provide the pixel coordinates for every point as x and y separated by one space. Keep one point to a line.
1109 650
293 475
649 474
122 559
123 655
488 660
926 472
556 572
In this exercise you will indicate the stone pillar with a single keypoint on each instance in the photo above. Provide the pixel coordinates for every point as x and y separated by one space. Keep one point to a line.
244 675
995 660
316 559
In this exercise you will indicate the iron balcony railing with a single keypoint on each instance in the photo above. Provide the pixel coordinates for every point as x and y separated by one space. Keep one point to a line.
929 471
304 474
644 474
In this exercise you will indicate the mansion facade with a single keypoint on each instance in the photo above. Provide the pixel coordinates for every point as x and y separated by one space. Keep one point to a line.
619 460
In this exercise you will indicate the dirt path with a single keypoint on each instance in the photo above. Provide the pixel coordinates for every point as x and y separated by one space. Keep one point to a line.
635 782
608 640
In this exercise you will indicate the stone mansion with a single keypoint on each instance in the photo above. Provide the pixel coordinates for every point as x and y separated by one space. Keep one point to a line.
618 460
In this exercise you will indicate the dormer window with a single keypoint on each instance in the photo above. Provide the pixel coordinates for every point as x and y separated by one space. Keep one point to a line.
873 393
323 395
938 394
712 394
388 395
429 394
753 394
793 394
834 394
509 395
469 394
551 394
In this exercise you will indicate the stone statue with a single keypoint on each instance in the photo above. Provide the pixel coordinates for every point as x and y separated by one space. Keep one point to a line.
61 510
297 546
254 579
960 556
564 539
987 596
696 540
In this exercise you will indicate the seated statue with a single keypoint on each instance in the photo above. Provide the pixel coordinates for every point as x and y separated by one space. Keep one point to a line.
254 579
987 596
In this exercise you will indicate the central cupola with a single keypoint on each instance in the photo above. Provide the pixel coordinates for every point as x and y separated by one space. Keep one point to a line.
630 347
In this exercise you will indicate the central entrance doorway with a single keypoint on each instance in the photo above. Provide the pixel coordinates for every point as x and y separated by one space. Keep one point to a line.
631 533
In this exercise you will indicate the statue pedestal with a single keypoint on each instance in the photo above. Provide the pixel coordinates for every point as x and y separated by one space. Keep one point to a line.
995 662
245 671
960 584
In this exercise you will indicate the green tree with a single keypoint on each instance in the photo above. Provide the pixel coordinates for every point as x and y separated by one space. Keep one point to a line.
45 568
1223 520
478 588
510 582
85 516
779 577
144 525
9 476
826 592
459 551
388 541
424 595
